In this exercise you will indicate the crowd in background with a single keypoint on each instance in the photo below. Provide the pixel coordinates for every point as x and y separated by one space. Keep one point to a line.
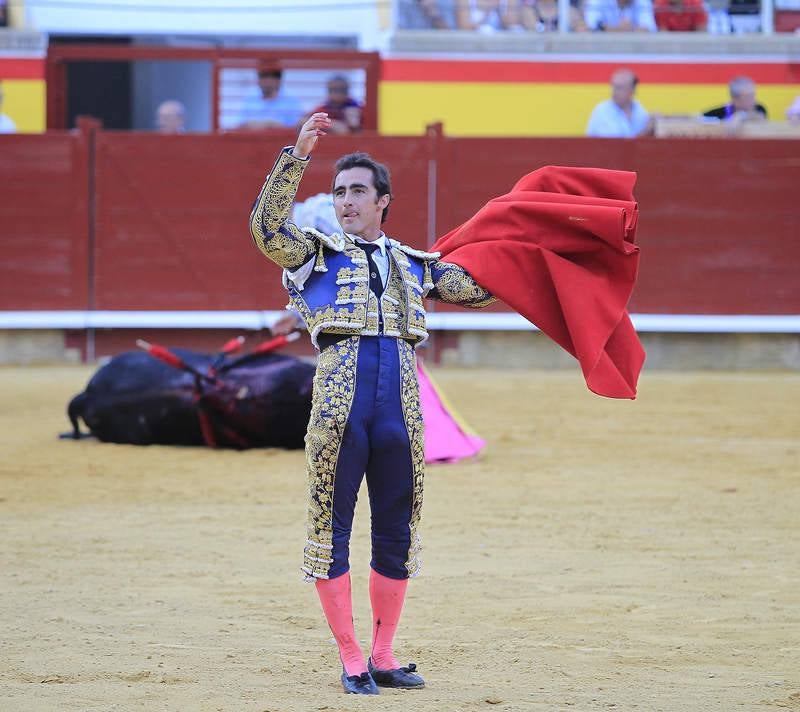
622 116
272 107
488 16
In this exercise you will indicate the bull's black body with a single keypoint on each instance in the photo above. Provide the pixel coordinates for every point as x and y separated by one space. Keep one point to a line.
257 400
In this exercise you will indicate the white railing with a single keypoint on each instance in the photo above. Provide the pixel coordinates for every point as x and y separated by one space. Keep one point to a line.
445 321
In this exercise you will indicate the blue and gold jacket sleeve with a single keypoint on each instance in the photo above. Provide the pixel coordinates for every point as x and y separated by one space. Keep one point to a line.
454 285
274 234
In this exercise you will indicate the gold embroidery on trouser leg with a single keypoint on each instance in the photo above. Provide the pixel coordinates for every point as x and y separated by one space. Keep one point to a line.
412 413
334 388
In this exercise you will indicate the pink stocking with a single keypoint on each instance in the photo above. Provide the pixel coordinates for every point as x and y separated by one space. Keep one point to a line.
334 594
387 597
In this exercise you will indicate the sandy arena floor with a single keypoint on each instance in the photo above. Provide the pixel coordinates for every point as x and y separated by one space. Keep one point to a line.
603 555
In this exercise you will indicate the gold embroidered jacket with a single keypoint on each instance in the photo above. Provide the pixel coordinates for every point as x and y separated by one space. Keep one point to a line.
334 297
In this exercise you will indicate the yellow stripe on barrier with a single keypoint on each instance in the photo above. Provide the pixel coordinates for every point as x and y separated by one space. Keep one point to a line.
25 103
499 109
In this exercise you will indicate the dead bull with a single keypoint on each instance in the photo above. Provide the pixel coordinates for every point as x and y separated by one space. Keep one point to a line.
181 397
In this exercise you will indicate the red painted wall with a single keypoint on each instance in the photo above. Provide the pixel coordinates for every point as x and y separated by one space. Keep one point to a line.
44 221
172 216
719 226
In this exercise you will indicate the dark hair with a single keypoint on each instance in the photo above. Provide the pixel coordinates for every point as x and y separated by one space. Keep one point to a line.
270 72
380 174
341 78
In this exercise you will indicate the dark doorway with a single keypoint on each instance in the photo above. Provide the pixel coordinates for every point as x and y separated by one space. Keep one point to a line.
98 88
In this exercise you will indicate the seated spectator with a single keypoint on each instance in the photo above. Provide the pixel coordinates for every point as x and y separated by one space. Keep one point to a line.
426 15
487 15
743 103
542 16
737 16
272 108
621 116
719 22
620 16
793 112
681 15
343 111
745 16
171 117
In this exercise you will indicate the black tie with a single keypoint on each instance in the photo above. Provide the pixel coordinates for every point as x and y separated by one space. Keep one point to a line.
375 282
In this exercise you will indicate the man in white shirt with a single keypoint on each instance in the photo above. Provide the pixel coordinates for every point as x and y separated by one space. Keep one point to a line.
620 16
7 125
621 116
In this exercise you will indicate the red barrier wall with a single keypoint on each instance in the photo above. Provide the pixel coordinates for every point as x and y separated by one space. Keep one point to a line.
719 226
172 216
44 221
718 229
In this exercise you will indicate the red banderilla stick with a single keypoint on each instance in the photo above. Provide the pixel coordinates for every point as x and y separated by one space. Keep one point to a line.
276 343
164 354
232 346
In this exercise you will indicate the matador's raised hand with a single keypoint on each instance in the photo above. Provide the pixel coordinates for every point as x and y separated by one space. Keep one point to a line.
311 130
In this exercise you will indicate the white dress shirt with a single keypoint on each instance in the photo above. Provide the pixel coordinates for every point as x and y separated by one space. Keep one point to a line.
299 276
380 257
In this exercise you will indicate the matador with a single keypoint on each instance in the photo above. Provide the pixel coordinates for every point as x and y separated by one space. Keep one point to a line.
361 293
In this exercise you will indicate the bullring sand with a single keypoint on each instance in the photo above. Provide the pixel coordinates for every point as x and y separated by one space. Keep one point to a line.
601 555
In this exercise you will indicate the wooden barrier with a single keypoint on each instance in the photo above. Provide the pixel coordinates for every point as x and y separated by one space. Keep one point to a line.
120 221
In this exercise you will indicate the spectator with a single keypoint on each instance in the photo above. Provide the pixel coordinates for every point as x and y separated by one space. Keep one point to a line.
426 14
171 117
7 125
719 22
620 16
487 15
743 103
3 13
793 112
681 15
273 109
621 116
542 16
745 16
344 112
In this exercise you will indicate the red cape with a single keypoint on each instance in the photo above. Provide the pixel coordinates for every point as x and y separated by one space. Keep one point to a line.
559 249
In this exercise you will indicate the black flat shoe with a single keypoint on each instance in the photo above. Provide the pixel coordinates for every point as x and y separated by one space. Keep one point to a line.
362 684
403 678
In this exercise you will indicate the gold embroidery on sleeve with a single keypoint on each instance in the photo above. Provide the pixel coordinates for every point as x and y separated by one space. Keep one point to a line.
455 286
278 238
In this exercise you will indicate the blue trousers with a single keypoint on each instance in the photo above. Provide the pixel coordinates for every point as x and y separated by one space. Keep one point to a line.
365 421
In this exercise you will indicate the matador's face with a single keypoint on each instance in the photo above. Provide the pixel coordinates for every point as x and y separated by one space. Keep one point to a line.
358 207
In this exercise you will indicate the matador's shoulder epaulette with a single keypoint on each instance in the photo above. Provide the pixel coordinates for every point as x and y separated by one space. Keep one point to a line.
411 252
335 242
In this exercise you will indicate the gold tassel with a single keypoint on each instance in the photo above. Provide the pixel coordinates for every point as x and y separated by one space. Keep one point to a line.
319 262
427 280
